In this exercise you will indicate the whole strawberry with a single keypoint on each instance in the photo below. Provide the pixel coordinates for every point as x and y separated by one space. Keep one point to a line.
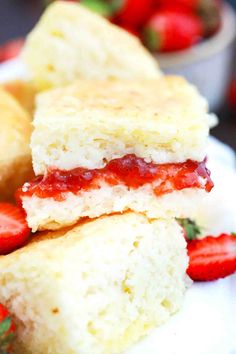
212 258
210 13
172 30
232 94
14 230
7 330
132 13
193 5
208 10
11 49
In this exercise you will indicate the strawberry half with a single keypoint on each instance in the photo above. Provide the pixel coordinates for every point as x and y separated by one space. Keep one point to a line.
212 258
14 230
7 330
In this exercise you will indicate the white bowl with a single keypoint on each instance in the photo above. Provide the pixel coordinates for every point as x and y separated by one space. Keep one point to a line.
209 64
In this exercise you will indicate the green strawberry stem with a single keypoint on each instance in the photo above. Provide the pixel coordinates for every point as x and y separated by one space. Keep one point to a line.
151 39
99 6
5 337
191 228
117 5
5 326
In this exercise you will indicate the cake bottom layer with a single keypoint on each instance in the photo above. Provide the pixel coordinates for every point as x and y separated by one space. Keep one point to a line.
49 214
96 288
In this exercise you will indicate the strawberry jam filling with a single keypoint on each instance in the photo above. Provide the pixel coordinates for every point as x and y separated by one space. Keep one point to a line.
129 170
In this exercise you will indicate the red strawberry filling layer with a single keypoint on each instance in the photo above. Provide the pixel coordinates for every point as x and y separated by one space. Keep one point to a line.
129 170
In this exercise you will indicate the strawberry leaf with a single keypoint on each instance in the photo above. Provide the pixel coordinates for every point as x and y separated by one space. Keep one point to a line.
5 343
191 228
117 5
99 6
151 39
5 326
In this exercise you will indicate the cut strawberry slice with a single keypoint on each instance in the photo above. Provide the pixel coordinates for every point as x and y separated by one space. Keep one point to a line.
212 257
14 230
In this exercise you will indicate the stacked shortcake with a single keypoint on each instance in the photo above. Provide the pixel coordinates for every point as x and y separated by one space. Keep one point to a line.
103 147
116 163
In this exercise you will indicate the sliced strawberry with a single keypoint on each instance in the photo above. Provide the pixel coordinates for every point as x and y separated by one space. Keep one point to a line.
212 258
171 30
7 330
14 230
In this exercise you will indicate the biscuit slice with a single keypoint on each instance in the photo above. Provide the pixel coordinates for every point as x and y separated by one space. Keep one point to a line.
96 288
103 147
70 42
15 155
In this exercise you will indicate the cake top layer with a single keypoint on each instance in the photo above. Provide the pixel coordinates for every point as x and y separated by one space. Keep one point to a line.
52 245
170 100
91 122
71 42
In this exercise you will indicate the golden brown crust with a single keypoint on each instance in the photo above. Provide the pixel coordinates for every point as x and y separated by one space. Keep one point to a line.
24 92
15 156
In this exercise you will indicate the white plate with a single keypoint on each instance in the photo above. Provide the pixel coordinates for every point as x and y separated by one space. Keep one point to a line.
207 322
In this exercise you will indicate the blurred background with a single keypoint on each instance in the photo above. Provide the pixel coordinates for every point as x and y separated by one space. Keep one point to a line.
194 38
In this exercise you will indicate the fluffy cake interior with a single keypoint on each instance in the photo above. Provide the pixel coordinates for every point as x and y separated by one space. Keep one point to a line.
95 288
88 123
71 42
49 214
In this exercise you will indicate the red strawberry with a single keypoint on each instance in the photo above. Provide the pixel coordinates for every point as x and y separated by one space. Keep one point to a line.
131 30
11 49
210 13
171 30
132 12
14 230
208 10
212 258
7 330
232 94
193 5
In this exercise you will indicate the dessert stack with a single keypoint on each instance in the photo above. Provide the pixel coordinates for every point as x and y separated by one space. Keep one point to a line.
116 162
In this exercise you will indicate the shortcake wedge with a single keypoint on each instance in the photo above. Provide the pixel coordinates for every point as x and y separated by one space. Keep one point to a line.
70 42
96 288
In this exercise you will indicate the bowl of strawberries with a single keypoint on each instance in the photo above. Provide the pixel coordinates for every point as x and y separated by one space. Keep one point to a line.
201 49
193 38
